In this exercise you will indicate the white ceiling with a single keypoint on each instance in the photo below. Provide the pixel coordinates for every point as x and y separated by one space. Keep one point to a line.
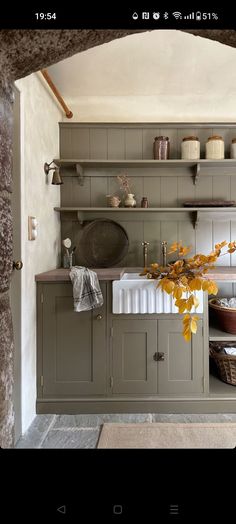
147 64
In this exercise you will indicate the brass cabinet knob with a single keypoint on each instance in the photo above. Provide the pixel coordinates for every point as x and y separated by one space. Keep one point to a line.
99 317
18 264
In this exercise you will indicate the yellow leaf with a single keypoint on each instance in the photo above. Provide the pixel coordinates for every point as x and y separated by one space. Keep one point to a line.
178 264
177 292
195 284
181 304
205 285
212 258
213 289
189 326
186 317
183 250
220 245
154 266
195 301
167 285
174 247
186 328
187 334
192 301
232 245
193 326
189 303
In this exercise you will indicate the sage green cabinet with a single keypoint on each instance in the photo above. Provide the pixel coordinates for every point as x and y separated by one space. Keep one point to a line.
95 354
152 357
134 343
72 359
181 368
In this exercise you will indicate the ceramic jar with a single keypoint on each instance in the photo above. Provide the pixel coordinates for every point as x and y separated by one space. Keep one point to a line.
130 200
215 148
190 148
233 148
161 148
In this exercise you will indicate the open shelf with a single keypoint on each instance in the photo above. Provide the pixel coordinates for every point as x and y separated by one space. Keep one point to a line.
227 162
194 211
215 334
80 164
218 388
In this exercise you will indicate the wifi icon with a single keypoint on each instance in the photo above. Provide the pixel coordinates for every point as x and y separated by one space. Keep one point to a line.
177 15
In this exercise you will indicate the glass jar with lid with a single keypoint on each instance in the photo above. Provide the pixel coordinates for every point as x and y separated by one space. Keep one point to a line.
190 148
215 148
161 148
233 148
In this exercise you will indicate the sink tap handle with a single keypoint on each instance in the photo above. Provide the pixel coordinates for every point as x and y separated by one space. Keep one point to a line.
164 252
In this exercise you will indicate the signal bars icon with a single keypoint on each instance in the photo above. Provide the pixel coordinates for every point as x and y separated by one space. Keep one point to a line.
189 17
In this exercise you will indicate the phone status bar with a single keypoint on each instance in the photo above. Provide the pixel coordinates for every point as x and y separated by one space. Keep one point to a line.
198 16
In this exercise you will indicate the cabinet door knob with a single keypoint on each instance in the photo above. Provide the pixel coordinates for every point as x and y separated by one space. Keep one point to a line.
99 317
18 264
158 356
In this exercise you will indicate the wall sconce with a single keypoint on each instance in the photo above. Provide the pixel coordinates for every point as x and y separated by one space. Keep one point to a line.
56 179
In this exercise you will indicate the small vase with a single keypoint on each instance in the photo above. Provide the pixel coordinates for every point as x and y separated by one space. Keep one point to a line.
113 201
130 200
68 261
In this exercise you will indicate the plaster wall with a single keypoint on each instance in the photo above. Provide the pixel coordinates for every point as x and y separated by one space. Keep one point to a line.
40 143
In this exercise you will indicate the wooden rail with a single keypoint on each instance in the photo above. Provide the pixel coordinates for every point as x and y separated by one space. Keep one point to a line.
55 91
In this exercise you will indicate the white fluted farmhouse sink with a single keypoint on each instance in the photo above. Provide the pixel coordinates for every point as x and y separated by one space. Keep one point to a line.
137 294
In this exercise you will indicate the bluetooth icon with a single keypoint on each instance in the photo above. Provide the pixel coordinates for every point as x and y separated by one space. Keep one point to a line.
166 15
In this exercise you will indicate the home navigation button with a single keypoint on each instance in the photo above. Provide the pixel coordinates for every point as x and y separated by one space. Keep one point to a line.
117 509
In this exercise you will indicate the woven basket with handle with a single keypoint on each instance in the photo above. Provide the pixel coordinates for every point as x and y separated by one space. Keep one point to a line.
226 364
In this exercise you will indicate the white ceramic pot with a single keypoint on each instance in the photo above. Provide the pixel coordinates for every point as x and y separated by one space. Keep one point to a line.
215 148
130 200
233 149
190 148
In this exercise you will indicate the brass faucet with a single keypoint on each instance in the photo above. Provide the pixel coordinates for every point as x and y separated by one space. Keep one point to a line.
164 253
145 253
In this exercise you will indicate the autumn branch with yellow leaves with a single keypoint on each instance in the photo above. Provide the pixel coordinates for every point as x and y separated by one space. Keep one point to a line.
186 275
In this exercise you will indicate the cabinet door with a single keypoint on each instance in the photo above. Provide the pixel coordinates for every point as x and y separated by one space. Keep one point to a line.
74 345
181 371
134 346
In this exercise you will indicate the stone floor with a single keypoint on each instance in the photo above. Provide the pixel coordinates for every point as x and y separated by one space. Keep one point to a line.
82 431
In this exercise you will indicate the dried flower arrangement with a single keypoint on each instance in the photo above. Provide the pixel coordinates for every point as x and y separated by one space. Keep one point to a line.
186 275
125 183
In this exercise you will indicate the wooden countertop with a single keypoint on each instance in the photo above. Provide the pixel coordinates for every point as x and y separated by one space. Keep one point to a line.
220 273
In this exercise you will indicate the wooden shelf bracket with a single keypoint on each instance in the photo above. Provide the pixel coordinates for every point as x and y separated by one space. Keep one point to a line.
80 217
80 173
196 173
195 219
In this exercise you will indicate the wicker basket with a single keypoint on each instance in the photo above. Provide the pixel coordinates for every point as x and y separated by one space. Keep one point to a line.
226 364
226 317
